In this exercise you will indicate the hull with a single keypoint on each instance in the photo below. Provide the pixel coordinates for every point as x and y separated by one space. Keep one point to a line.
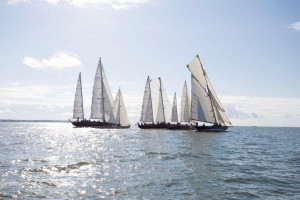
152 126
91 124
180 127
211 128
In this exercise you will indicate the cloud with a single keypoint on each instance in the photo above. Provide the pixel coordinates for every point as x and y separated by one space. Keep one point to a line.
295 26
115 4
14 2
58 61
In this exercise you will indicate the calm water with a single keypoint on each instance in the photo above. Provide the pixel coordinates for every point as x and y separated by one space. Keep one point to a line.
57 161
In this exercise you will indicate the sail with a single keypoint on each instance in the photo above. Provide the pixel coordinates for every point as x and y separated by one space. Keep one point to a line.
196 68
201 107
78 112
185 104
147 111
119 113
102 98
174 110
157 103
166 104
213 94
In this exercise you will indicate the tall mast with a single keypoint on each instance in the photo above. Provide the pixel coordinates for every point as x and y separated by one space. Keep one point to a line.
81 94
119 106
102 91
151 100
162 101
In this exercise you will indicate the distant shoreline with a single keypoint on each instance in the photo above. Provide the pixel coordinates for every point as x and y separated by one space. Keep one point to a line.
17 120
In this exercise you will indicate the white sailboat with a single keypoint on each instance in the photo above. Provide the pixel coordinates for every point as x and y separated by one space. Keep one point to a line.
78 112
156 108
205 105
119 115
102 113
184 114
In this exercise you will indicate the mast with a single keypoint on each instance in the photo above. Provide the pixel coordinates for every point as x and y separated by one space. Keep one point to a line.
151 100
102 90
209 94
162 101
119 106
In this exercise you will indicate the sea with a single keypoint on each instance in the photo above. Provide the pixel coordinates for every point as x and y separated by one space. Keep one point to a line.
58 161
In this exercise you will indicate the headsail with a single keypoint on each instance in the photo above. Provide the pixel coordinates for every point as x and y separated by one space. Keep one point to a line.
119 114
147 110
185 105
174 110
102 99
78 112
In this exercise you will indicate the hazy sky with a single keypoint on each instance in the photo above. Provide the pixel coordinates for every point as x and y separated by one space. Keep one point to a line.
250 50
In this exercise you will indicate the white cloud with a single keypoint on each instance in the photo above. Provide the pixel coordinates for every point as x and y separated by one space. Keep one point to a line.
115 4
295 26
14 2
58 61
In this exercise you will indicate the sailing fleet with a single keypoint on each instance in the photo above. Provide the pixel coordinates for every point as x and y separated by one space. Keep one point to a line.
157 112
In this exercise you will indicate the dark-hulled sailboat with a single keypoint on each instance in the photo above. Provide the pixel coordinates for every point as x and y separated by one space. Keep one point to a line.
156 108
184 124
205 105
102 103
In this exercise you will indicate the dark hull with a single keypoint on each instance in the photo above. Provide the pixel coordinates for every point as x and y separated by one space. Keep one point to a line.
211 128
180 127
152 126
105 125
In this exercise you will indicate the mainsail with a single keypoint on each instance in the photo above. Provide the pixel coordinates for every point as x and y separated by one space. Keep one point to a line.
147 111
78 112
174 110
119 114
205 105
185 105
102 98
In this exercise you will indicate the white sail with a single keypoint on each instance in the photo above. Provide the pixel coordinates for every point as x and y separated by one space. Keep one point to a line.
166 104
160 102
156 100
174 110
196 68
147 111
185 105
119 114
78 112
201 107
102 98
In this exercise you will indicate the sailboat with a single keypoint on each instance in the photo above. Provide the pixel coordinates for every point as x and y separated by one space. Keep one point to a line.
205 105
119 115
184 114
156 108
102 102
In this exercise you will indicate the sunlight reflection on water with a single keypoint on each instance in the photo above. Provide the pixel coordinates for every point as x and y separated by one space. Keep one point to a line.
57 161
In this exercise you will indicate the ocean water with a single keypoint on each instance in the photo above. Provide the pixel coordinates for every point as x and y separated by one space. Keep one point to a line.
57 161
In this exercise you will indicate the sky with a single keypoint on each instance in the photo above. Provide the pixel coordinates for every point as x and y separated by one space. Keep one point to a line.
249 49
